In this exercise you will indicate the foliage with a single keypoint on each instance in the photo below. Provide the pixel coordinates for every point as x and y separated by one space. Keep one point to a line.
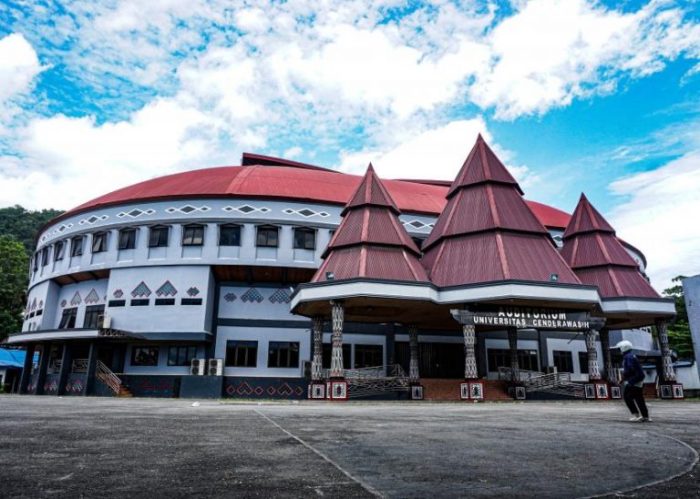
679 336
24 224
14 264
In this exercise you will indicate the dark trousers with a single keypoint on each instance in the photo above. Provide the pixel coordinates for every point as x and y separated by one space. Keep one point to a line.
634 395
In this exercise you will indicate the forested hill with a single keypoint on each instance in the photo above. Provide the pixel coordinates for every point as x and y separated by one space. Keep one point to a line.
23 224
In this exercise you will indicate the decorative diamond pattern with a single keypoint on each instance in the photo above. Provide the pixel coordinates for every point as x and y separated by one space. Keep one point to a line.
141 291
230 297
166 289
282 295
252 295
64 303
246 209
187 209
193 291
34 304
92 297
135 213
417 224
76 300
306 212
93 219
118 293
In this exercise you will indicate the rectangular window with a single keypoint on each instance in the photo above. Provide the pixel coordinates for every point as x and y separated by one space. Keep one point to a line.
527 359
158 236
327 351
191 301
144 356
36 262
139 302
304 238
241 353
368 356
127 239
68 318
229 235
583 362
117 303
92 316
563 361
193 235
99 242
76 246
165 301
283 354
267 236
45 256
181 355
58 251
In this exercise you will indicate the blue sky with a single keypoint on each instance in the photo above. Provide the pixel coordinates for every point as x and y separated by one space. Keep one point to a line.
574 95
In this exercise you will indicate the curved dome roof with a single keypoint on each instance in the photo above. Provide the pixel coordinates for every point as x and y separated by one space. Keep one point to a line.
294 182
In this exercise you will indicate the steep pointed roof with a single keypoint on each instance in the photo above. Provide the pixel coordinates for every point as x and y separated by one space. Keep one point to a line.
487 232
598 257
370 241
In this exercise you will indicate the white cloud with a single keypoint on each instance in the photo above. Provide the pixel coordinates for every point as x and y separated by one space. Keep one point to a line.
19 65
659 217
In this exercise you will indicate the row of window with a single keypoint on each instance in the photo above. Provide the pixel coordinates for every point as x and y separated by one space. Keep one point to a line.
527 360
91 320
267 236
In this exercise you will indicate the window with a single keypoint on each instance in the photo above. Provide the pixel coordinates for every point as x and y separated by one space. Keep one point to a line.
76 246
563 361
139 302
191 301
229 235
36 262
368 356
527 359
92 316
304 238
193 235
158 237
267 236
283 354
127 239
58 251
327 351
583 362
181 355
241 353
45 256
165 301
99 242
144 356
68 318
117 303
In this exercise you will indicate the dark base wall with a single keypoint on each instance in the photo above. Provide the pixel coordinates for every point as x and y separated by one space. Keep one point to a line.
152 386
265 388
51 384
76 384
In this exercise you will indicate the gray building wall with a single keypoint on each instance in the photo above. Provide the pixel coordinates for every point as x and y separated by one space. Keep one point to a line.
691 289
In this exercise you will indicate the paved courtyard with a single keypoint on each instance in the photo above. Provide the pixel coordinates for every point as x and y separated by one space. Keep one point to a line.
92 447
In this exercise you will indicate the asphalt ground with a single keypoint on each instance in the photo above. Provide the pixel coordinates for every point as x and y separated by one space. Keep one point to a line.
101 447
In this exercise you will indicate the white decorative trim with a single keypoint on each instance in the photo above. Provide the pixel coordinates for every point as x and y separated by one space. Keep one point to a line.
246 209
640 306
188 209
306 212
418 225
135 213
93 219
54 335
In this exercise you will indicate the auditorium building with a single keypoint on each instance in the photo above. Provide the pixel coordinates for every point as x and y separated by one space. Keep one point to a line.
277 279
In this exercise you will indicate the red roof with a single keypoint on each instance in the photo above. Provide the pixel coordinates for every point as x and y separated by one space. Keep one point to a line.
598 257
370 241
294 183
488 233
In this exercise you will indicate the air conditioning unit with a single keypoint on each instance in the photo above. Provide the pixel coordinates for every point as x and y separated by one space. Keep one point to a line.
216 367
106 322
197 367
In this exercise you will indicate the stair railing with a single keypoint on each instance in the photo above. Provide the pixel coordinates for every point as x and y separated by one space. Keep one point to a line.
105 374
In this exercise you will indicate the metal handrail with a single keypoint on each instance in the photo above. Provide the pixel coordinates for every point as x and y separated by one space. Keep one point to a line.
104 374
506 374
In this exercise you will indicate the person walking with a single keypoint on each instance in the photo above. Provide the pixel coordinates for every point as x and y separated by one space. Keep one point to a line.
633 383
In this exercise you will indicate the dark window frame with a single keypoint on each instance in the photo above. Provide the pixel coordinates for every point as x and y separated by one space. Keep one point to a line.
59 250
326 354
241 353
304 238
68 318
92 316
283 354
158 236
148 358
127 238
563 359
44 256
500 357
231 239
183 355
583 362
99 242
76 246
193 235
365 351
264 236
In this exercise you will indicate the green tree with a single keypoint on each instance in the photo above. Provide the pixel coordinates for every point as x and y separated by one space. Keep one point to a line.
13 282
24 224
679 336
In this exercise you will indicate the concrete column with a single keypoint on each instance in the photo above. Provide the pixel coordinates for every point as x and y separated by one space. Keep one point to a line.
607 358
413 371
514 364
593 369
27 369
469 332
43 366
66 365
337 316
668 373
91 367
317 360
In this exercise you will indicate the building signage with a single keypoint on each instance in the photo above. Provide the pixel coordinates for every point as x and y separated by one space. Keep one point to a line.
527 317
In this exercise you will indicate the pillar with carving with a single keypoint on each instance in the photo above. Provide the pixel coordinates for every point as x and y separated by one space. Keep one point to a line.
668 373
593 369
607 358
514 364
337 316
413 372
469 332
317 360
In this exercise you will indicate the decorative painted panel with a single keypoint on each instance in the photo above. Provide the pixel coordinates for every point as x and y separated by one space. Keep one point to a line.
252 295
166 289
76 384
282 295
265 388
141 291
76 300
92 297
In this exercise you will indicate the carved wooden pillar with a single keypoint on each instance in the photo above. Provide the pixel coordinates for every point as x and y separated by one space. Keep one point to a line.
413 371
469 332
317 360
27 369
337 315
668 372
607 358
593 369
514 364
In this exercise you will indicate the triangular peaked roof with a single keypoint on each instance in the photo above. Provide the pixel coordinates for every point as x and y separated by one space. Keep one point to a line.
488 233
371 241
598 257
